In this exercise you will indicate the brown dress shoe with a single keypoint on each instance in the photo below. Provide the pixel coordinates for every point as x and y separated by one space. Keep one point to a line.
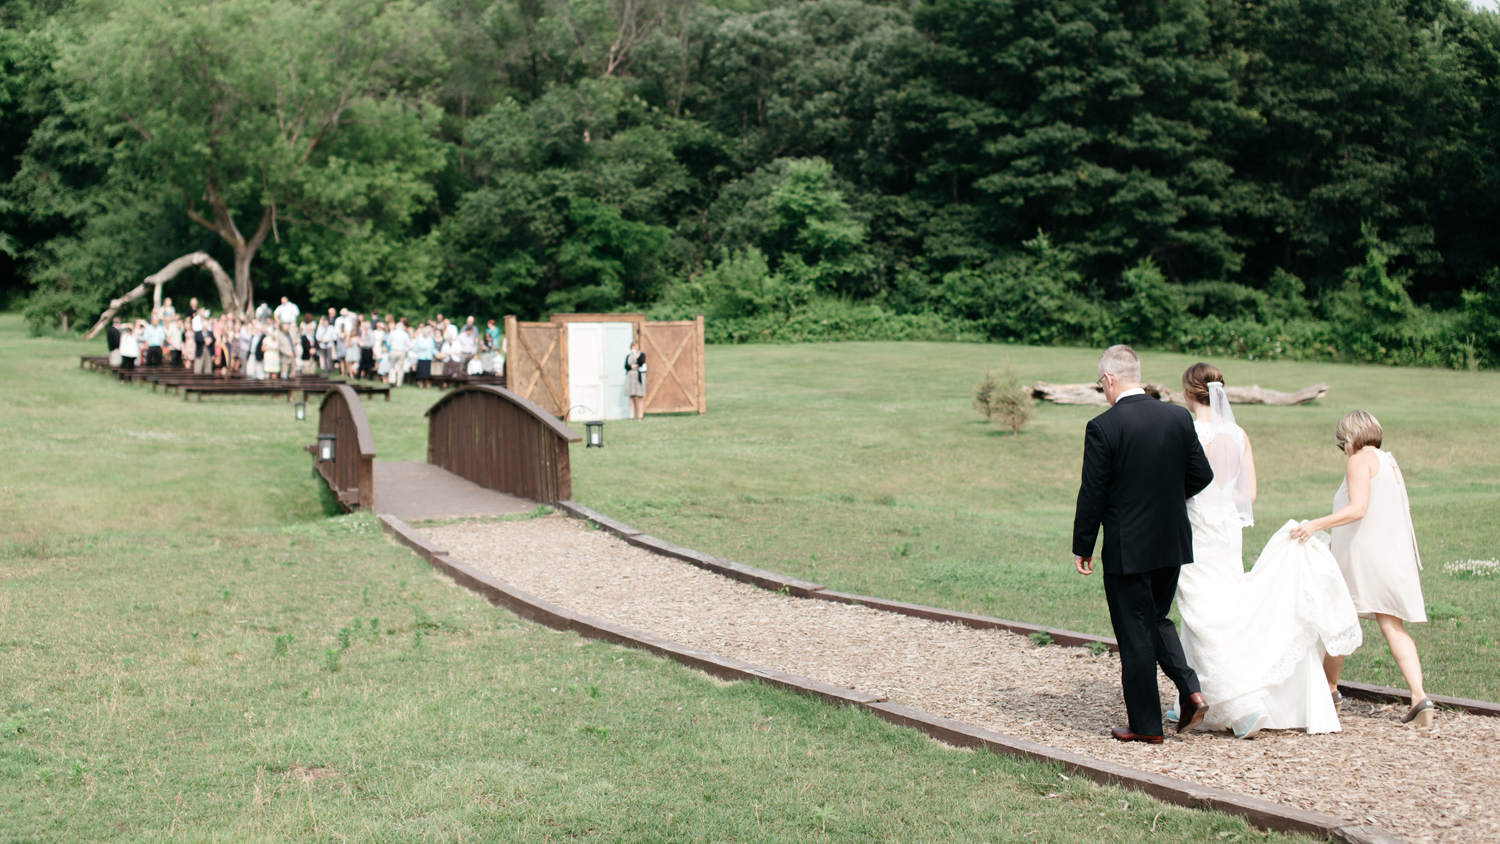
1193 710
1124 734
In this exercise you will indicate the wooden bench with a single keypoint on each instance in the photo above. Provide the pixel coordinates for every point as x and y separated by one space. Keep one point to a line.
446 381
273 388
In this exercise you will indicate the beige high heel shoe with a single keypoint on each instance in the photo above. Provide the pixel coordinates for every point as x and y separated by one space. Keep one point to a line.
1421 715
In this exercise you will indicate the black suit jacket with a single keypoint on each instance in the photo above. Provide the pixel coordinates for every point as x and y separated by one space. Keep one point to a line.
1141 463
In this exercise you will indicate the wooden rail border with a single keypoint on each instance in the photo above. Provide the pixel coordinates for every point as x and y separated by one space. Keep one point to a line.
351 474
501 441
1261 813
1069 638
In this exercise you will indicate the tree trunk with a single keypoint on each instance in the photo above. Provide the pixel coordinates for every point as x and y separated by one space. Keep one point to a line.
162 276
222 224
1092 394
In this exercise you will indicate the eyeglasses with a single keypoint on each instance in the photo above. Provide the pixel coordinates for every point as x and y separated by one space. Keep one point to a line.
1100 382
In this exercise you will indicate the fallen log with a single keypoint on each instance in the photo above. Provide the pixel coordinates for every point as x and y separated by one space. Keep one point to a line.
1092 394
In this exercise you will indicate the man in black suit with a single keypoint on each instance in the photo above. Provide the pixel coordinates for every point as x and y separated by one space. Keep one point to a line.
1141 463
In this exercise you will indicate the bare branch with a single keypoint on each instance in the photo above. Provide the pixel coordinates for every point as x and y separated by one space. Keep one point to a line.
136 126
162 276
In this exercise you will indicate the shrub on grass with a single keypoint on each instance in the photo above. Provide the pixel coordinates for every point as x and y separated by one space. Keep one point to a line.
984 395
1005 399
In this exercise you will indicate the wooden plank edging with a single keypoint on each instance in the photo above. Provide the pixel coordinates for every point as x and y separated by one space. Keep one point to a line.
1261 813
1068 638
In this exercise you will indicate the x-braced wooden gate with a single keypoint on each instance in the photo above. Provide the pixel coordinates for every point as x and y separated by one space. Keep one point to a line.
674 362
536 363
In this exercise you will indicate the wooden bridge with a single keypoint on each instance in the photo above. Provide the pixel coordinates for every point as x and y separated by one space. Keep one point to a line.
489 453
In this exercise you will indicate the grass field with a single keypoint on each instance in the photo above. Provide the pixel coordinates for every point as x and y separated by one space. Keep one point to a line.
193 649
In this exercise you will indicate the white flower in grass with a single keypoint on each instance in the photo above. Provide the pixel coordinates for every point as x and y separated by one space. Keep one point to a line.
1473 568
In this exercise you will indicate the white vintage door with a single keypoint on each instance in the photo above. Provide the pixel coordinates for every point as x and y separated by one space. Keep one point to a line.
596 369
585 371
617 338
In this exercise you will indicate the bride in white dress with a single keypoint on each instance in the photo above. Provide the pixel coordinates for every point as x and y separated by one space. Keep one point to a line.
1255 638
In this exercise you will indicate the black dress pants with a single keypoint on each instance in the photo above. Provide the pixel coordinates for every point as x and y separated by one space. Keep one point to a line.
1138 607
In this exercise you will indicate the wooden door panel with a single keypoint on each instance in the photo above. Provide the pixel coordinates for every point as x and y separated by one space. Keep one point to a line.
536 363
674 361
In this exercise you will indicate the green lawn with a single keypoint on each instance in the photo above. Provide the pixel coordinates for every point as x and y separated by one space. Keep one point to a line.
193 649
862 466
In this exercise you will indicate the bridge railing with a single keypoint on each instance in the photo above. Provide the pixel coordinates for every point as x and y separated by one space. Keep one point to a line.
350 475
501 441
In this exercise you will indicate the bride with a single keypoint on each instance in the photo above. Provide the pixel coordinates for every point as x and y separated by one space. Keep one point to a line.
1255 638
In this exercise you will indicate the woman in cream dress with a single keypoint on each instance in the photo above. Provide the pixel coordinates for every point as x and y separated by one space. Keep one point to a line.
1256 639
1376 548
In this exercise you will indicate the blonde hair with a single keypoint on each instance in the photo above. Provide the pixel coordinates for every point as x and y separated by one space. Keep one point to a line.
1356 430
1122 362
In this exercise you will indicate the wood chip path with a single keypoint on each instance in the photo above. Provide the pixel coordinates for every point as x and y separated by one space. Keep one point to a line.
1438 784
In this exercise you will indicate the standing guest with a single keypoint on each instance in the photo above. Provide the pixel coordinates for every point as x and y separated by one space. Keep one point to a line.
264 313
490 345
155 337
1376 548
287 313
130 349
168 313
448 354
270 359
286 347
327 338
223 347
174 340
1142 461
399 341
208 351
202 354
255 359
382 354
242 337
468 344
635 380
424 349
189 345
307 339
367 348
112 340
352 351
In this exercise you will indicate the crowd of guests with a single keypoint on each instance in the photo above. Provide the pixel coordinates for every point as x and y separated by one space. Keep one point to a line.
284 342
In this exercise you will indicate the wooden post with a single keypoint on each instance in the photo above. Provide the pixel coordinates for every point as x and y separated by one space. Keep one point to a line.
702 371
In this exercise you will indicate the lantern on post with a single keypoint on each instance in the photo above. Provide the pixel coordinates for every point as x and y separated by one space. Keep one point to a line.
325 448
594 434
299 410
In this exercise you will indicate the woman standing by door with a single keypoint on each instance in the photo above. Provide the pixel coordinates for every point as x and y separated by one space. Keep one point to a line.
635 380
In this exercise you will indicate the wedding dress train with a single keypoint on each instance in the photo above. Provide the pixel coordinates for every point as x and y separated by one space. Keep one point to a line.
1257 638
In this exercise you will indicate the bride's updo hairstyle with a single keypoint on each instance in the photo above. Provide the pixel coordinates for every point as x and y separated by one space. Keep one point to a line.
1197 378
1357 430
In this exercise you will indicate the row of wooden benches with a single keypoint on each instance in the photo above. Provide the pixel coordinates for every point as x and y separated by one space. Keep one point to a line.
189 383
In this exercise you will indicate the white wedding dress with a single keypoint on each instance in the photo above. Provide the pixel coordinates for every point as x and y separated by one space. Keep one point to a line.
1257 638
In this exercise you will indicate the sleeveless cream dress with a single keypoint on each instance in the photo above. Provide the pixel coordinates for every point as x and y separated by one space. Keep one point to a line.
1378 554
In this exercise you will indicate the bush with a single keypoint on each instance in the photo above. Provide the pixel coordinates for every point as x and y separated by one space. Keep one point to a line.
1481 318
829 320
1152 309
1038 298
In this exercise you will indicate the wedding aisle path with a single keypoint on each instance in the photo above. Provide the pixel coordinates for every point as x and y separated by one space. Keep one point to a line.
1437 784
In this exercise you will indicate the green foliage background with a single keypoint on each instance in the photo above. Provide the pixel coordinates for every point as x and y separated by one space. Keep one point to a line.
1278 178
